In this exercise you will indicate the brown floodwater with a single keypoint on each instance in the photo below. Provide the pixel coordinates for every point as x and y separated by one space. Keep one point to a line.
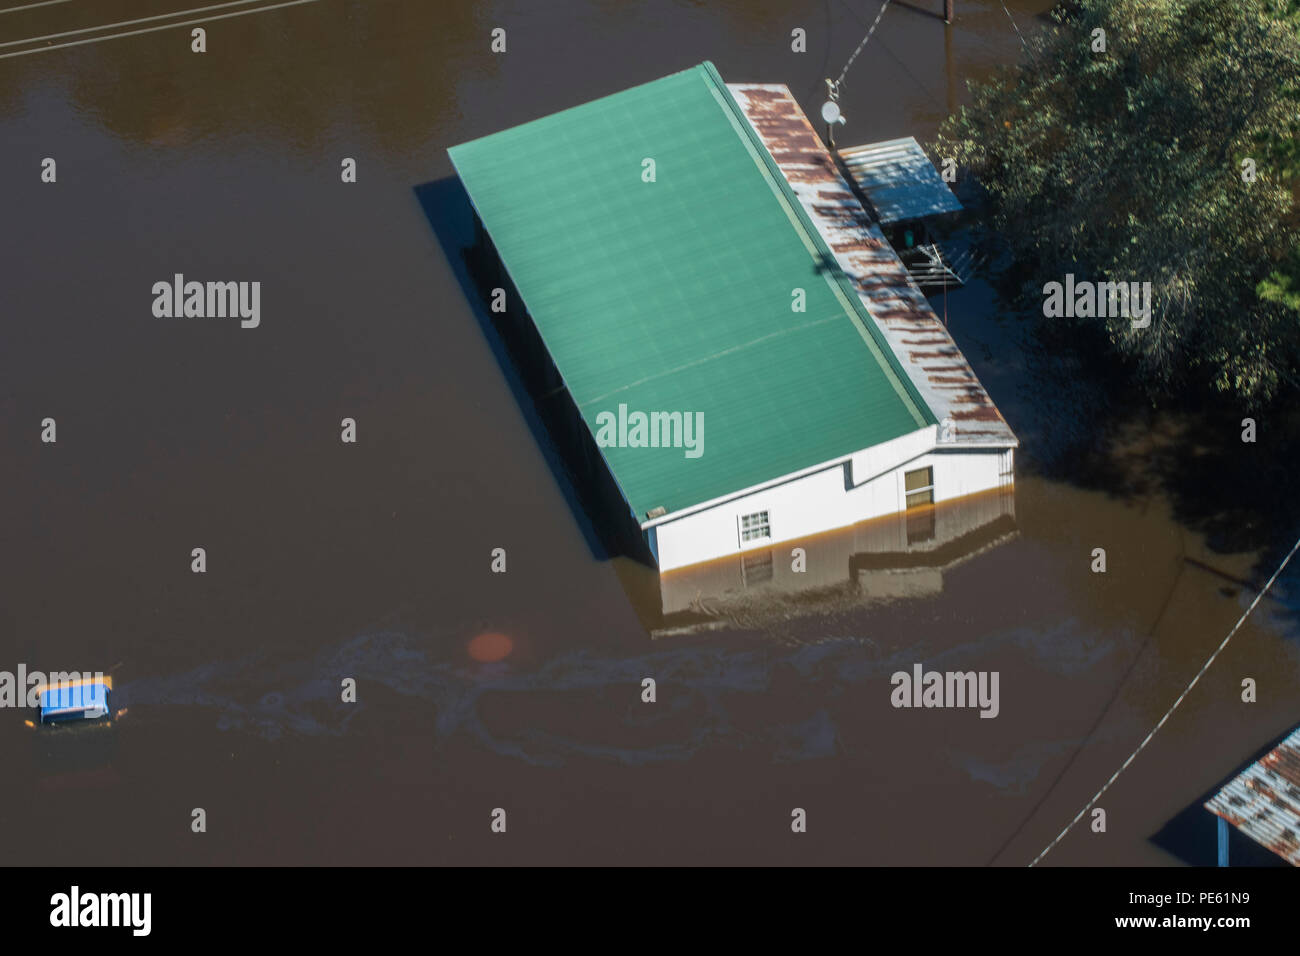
371 560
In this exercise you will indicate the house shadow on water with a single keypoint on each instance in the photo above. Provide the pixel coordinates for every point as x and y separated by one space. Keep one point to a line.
1192 835
597 504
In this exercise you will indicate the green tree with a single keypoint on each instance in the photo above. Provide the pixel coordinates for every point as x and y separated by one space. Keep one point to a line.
1126 165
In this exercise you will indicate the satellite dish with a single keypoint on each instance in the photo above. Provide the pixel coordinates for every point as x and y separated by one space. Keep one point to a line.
831 112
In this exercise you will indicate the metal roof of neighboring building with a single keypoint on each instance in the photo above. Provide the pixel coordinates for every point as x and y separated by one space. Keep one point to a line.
899 180
675 295
1263 801
933 362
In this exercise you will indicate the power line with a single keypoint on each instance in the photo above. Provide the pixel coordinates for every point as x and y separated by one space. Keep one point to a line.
128 23
903 66
1017 29
29 6
165 26
883 7
1181 697
1119 688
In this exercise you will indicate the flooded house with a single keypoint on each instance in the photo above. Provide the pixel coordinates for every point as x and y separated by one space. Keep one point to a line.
901 556
729 346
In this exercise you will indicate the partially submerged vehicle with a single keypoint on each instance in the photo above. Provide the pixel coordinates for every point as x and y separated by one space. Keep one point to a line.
74 741
77 703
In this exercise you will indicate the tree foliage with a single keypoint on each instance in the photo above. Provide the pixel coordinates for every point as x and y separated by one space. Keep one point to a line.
1126 165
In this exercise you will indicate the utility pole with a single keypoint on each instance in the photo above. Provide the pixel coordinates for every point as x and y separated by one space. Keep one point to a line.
947 11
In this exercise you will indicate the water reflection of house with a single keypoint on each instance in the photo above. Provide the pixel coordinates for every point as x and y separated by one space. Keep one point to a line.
689 247
901 555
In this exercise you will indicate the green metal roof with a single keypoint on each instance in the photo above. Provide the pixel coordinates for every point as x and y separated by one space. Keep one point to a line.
675 295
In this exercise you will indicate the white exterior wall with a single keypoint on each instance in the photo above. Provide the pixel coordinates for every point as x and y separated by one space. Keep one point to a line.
820 501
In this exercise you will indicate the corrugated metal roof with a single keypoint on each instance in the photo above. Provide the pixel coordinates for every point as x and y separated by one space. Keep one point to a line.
899 180
929 356
1263 801
675 295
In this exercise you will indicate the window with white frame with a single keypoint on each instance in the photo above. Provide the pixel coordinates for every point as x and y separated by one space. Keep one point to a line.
755 527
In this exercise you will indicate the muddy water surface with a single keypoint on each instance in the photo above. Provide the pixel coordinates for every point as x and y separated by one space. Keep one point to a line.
371 561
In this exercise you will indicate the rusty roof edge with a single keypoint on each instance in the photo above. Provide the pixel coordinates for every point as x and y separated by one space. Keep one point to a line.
941 374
